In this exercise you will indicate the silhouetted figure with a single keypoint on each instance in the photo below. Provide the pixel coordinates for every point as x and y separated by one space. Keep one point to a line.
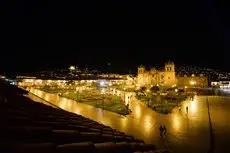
187 109
161 131
164 130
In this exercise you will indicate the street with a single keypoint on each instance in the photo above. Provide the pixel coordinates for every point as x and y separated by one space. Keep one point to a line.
185 132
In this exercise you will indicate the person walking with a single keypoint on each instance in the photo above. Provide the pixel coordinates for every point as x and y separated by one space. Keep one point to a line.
187 109
161 131
164 129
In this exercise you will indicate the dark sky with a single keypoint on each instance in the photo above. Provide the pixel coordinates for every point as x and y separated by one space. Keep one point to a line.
47 34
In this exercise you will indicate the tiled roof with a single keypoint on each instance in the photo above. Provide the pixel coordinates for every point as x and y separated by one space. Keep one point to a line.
28 126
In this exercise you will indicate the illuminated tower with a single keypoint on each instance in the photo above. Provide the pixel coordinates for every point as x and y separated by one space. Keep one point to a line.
169 67
170 76
141 76
141 69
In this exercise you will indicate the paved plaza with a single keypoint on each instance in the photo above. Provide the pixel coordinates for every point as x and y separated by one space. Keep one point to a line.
186 132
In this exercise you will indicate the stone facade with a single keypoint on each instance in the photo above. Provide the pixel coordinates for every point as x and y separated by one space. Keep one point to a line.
166 78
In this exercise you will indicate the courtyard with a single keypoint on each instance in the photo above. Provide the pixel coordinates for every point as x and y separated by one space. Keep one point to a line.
185 131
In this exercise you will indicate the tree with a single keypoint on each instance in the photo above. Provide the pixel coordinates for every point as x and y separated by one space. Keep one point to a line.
155 89
143 89
181 91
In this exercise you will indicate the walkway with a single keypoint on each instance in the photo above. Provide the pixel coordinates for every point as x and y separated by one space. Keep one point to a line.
185 132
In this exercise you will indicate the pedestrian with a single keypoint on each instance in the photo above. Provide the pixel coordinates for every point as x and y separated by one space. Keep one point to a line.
187 109
127 105
161 131
164 129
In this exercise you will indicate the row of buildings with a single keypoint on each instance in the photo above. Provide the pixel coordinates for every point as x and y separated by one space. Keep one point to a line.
168 78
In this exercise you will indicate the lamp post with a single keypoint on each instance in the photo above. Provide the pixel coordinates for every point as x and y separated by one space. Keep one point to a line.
124 94
148 96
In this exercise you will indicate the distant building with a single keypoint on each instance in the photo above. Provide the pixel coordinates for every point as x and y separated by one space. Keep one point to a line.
168 78
221 84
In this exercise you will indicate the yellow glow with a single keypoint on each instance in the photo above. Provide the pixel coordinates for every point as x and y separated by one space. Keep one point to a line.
192 82
193 106
174 85
138 111
72 67
148 123
185 87
148 90
176 90
176 122
103 91
124 123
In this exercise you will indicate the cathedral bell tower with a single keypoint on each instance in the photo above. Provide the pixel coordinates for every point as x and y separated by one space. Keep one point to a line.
141 69
170 75
169 67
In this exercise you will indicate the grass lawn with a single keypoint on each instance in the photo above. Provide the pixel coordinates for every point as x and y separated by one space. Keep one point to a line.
163 105
107 102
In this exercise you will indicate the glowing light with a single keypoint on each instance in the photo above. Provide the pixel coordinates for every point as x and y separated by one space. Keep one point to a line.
138 111
102 83
174 85
148 123
193 106
103 91
176 90
185 87
72 67
176 122
148 90
192 82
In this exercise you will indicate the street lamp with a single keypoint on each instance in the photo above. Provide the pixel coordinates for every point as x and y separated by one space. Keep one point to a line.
124 94
148 96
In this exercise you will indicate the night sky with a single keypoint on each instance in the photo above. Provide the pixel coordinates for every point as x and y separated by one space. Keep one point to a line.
42 34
